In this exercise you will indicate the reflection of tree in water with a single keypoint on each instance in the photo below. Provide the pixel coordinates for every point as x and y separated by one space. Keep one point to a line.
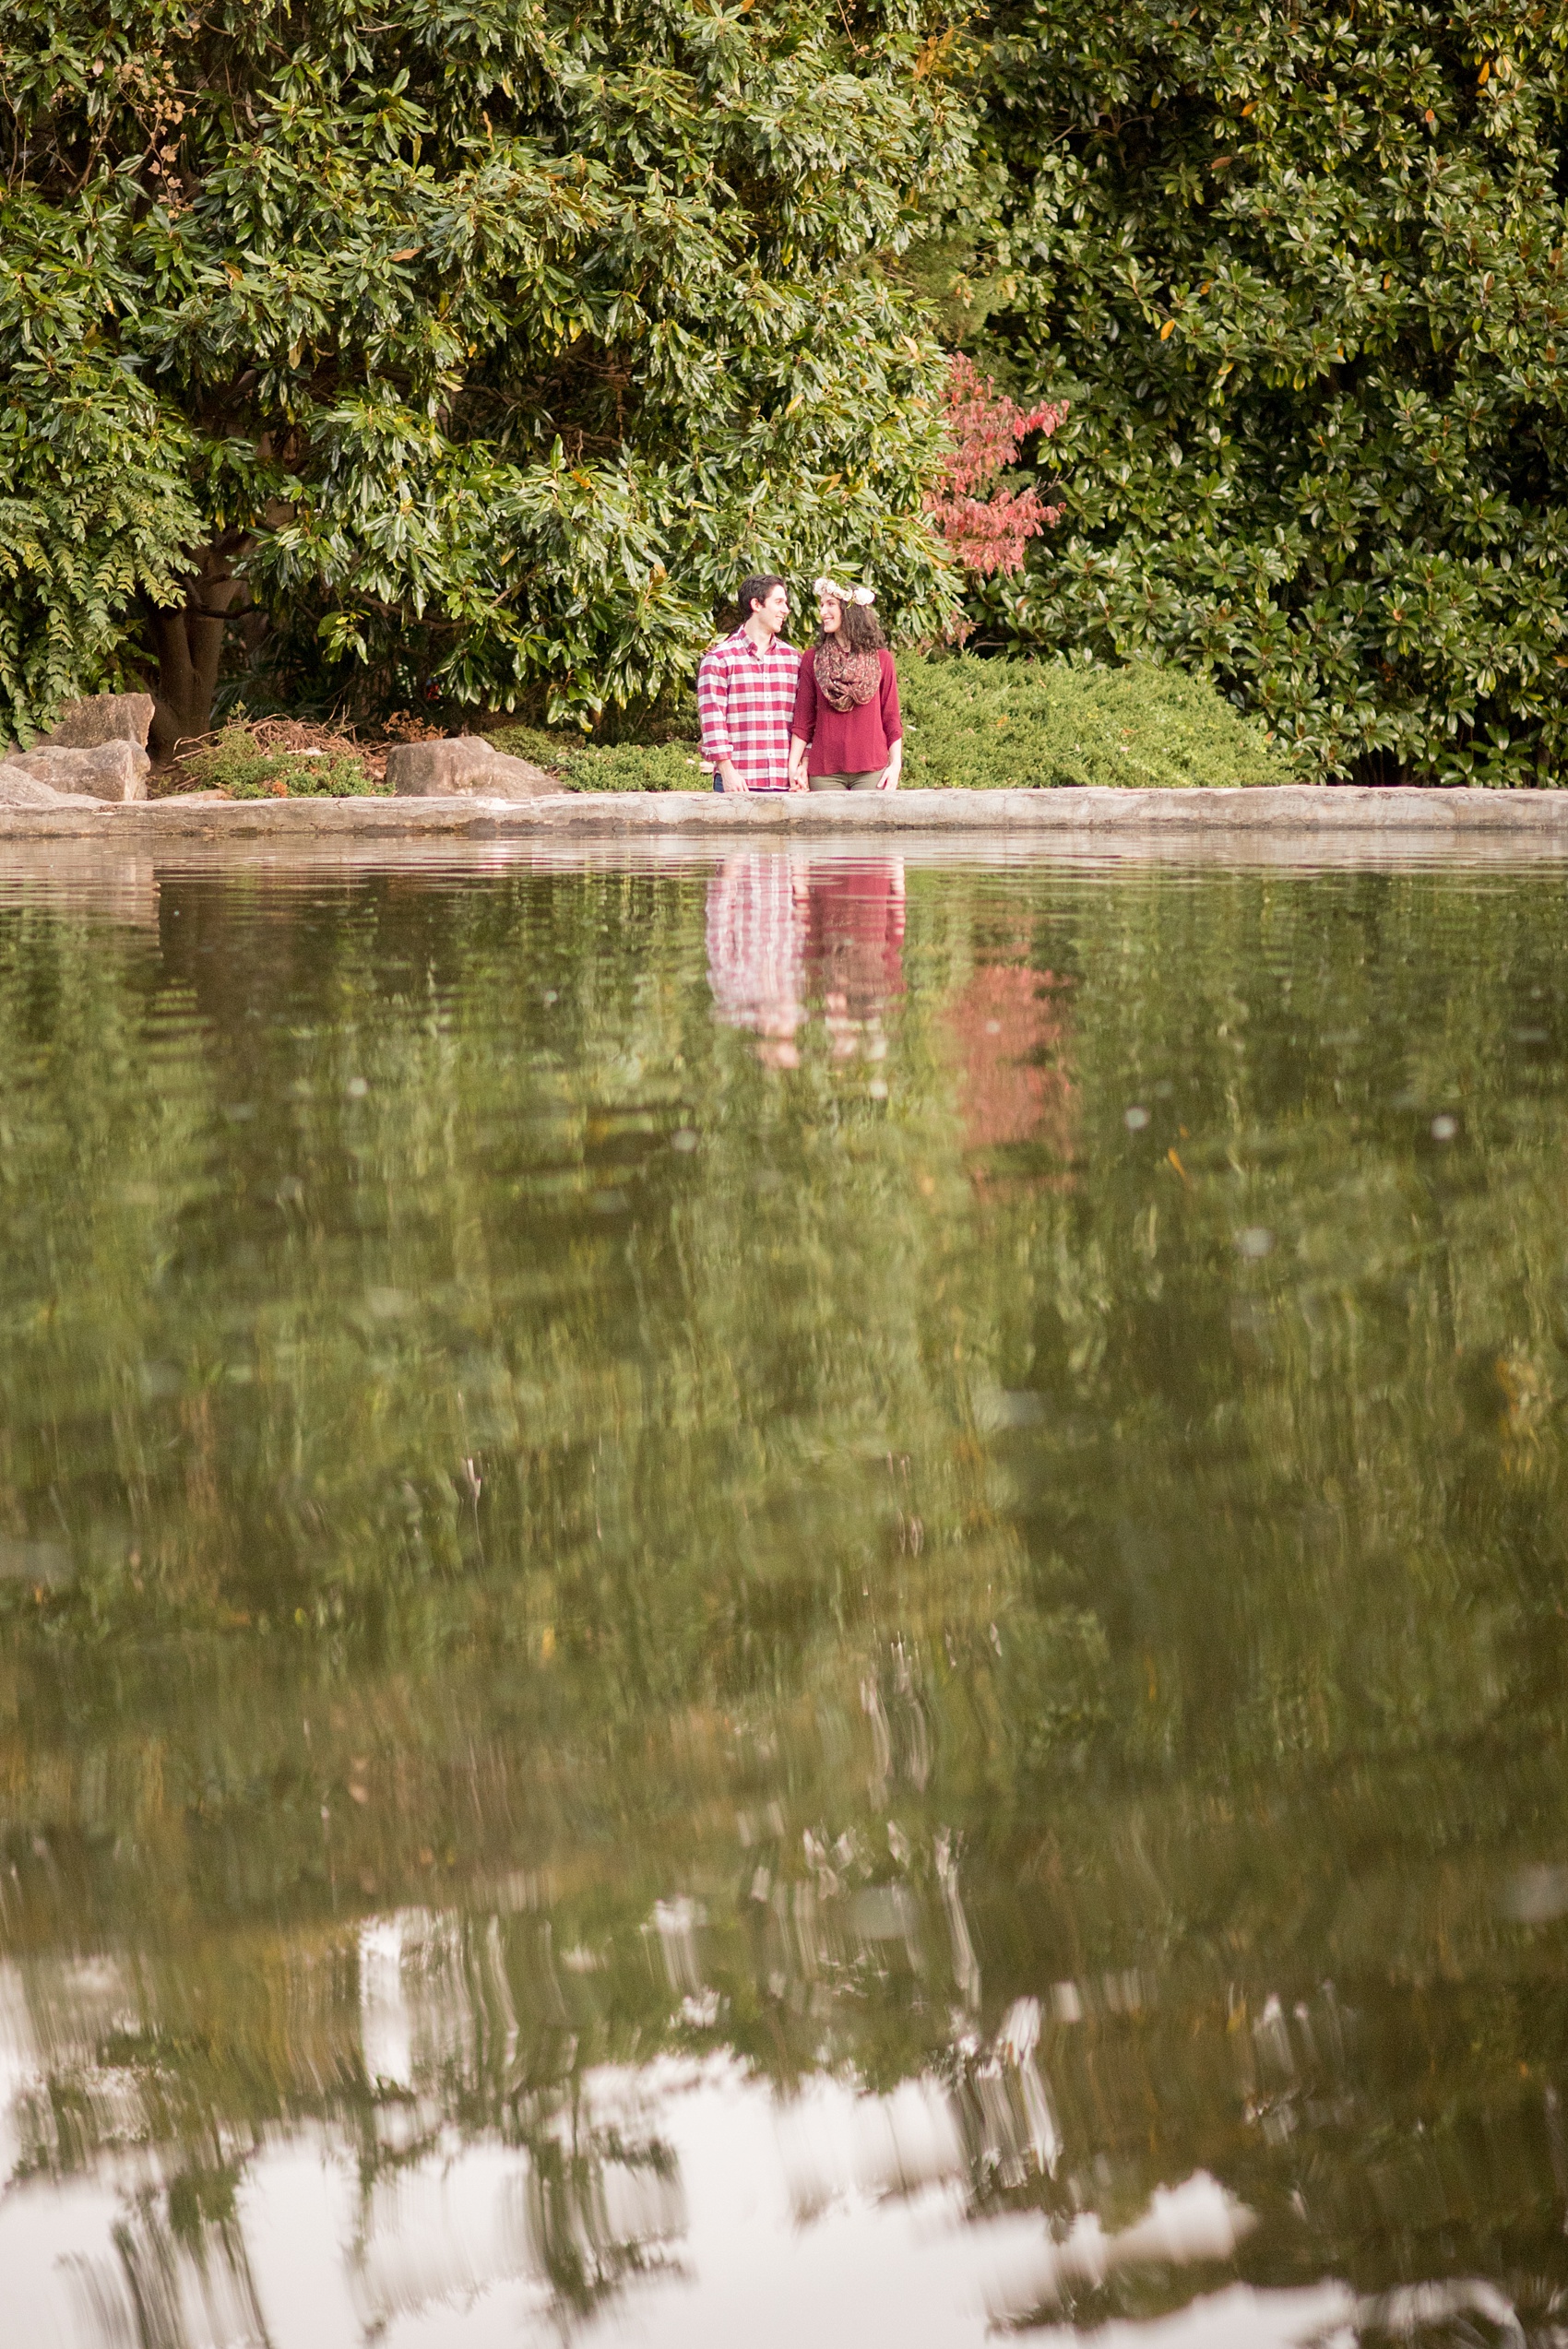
502 2150
1205 1598
1011 1031
178 2275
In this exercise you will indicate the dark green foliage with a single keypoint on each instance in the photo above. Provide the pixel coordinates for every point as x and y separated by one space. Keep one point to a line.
1301 272
96 505
386 354
986 725
485 349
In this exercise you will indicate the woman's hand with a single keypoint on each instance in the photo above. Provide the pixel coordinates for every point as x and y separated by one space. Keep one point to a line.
798 748
895 768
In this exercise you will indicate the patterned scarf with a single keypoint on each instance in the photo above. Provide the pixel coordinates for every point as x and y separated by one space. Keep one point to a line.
845 680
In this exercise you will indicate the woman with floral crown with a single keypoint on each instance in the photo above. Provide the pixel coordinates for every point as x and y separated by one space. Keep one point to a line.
846 734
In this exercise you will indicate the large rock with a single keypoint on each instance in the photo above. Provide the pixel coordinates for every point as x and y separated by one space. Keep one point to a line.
102 718
20 789
464 763
116 770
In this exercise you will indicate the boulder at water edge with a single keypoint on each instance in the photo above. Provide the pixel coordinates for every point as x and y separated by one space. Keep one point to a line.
18 790
114 770
102 718
464 763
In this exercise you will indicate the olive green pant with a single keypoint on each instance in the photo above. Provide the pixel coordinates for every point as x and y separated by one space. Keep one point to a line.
867 782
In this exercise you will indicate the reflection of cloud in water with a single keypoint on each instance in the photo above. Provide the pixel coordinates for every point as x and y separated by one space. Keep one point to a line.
841 2218
466 2222
397 2224
681 2202
1196 2223
386 2024
832 2215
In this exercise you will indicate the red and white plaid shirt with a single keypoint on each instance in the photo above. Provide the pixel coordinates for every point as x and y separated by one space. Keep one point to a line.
745 700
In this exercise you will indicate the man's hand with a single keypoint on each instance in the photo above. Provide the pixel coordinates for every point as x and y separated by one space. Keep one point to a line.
731 775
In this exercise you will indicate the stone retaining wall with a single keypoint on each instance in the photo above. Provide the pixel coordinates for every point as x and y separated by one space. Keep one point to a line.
1299 810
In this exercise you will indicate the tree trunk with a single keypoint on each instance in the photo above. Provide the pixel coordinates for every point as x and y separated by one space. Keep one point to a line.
189 642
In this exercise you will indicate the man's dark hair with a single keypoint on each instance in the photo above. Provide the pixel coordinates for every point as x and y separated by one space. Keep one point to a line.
757 590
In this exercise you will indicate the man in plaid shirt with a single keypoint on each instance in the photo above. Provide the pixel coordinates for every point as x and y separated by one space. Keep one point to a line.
746 695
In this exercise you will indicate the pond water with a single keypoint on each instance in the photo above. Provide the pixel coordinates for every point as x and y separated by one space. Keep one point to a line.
765 1601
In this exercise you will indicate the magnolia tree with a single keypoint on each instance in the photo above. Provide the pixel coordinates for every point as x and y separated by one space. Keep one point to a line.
479 351
1307 272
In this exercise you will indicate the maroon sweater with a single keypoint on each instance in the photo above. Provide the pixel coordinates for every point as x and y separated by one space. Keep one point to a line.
847 741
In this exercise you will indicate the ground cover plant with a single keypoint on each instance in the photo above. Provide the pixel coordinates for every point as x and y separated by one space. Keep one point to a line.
990 725
278 759
1302 275
585 765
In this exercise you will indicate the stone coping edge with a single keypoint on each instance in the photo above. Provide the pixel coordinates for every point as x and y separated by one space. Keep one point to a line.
1274 809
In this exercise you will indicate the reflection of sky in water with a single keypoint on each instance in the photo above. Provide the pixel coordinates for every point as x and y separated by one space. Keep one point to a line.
729 2213
707 2206
793 1597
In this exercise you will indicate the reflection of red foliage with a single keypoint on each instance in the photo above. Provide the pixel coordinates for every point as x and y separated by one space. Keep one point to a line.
1011 1026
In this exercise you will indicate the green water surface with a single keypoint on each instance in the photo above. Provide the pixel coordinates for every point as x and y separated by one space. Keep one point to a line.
915 1515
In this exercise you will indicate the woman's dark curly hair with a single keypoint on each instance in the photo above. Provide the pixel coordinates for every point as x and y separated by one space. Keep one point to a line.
860 630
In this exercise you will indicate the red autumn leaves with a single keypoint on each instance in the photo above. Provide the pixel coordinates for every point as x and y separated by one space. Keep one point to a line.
987 528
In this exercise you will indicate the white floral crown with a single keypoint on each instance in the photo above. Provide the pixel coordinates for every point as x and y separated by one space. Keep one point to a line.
826 587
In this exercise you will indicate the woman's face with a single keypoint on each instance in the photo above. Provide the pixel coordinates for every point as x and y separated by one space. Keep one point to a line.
830 611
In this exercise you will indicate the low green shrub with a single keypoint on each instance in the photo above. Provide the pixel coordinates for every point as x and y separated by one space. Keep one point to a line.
987 724
639 766
596 766
237 763
543 749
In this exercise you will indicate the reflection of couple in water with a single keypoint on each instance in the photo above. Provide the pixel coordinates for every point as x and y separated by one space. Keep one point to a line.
788 933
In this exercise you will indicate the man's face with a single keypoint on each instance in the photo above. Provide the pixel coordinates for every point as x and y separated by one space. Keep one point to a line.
775 611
